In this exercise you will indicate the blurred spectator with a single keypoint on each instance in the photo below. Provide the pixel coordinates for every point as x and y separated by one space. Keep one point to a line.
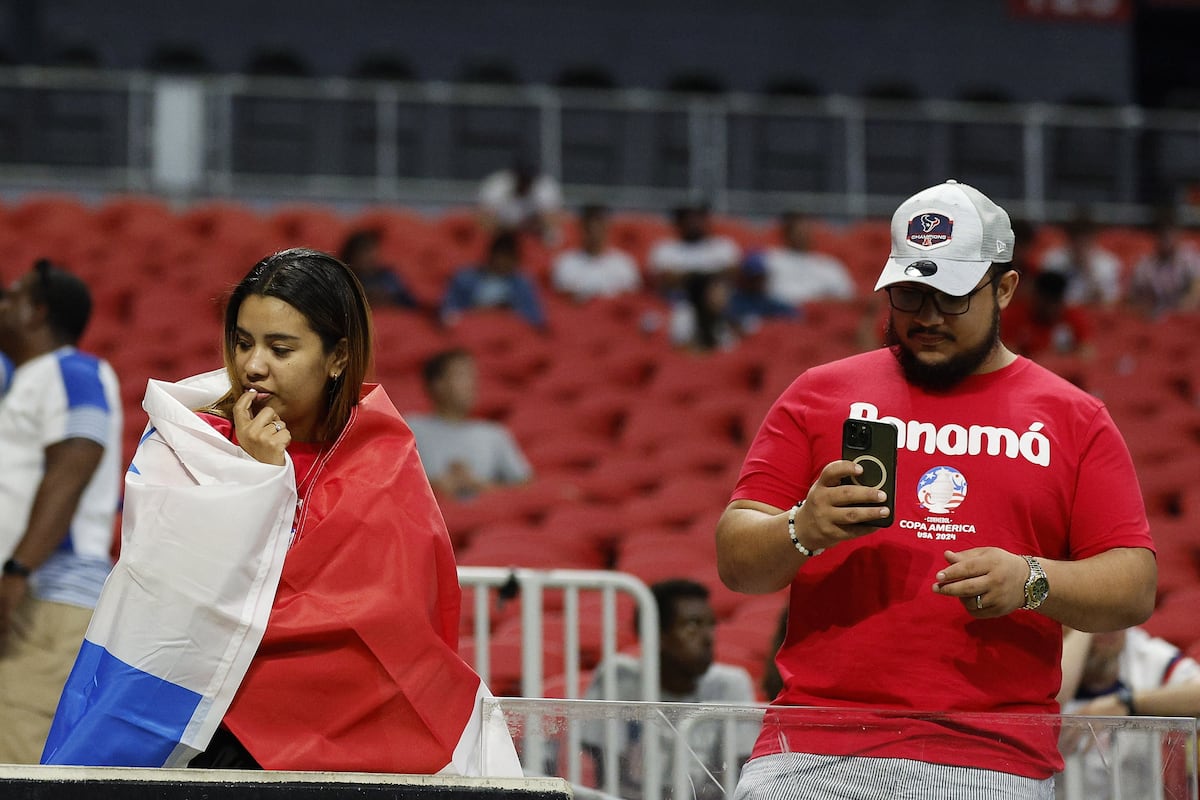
1040 322
595 269
520 199
497 283
1024 233
462 456
1093 274
695 250
687 674
1169 278
702 319
751 302
60 445
1125 673
383 285
1128 673
795 273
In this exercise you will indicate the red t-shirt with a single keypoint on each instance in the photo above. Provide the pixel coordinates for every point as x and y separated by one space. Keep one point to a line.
1017 459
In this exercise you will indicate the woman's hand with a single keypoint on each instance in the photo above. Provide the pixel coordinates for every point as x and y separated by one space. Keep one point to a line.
263 435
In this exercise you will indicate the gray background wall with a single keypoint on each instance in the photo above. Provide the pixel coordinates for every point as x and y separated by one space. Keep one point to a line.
942 48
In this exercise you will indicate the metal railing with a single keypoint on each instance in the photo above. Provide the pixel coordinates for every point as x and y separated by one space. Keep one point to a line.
428 144
482 584
531 585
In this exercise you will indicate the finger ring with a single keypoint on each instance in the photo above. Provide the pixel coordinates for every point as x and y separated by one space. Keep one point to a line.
979 601
278 426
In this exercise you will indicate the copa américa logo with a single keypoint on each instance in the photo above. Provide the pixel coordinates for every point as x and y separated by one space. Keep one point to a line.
941 490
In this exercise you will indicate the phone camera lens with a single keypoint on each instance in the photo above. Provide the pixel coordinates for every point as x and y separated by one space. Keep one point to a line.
860 436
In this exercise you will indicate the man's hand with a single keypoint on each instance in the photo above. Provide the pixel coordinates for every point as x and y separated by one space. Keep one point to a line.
988 581
13 589
833 512
263 435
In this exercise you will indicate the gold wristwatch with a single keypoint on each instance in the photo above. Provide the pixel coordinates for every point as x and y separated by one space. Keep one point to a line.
1037 587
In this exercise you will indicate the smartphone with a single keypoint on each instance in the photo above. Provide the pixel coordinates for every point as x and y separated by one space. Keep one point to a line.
872 445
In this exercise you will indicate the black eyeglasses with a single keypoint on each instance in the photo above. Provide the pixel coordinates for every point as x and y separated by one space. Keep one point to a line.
911 300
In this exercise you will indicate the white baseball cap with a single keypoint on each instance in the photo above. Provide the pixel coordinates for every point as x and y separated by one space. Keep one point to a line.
946 237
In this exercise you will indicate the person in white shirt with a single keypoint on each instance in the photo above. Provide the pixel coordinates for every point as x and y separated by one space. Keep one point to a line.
60 478
796 274
1124 673
462 456
1093 274
1168 278
595 269
687 674
695 250
520 199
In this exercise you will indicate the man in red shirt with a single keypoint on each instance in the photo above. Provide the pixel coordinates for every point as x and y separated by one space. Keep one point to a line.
957 606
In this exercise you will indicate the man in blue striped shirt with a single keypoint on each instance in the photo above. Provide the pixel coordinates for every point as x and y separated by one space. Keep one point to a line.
60 471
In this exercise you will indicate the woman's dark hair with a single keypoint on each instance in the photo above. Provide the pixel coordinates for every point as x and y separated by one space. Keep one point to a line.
332 300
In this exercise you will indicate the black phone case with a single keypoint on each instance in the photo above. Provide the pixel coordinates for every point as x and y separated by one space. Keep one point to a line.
878 461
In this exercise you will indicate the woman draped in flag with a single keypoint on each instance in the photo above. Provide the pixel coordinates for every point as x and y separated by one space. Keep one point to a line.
286 596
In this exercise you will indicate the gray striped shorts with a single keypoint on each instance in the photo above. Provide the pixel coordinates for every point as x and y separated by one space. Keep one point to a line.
803 776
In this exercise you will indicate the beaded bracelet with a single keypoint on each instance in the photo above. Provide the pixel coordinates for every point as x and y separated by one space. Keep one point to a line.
804 551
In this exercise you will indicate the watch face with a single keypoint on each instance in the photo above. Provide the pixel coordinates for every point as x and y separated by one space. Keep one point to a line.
1037 590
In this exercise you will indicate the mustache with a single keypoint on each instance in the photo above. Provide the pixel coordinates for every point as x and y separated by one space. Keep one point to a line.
916 330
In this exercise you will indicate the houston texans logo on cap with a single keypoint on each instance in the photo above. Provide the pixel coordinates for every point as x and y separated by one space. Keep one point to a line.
929 229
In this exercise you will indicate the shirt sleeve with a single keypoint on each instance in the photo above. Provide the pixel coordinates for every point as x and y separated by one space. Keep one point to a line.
841 285
86 412
633 278
512 467
1183 670
729 252
6 371
459 293
561 272
527 303
778 465
661 258
1108 510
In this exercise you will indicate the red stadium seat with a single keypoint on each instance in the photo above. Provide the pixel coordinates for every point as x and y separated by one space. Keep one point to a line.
508 544
569 453
620 477
309 226
506 664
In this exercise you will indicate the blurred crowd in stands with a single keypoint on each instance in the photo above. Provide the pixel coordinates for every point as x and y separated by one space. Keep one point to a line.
583 383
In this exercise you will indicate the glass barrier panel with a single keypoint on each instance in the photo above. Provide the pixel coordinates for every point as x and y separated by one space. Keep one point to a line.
652 751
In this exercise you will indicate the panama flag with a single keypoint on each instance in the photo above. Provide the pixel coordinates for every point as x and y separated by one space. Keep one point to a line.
202 548
324 639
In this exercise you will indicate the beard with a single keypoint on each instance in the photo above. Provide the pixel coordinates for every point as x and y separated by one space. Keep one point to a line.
944 376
